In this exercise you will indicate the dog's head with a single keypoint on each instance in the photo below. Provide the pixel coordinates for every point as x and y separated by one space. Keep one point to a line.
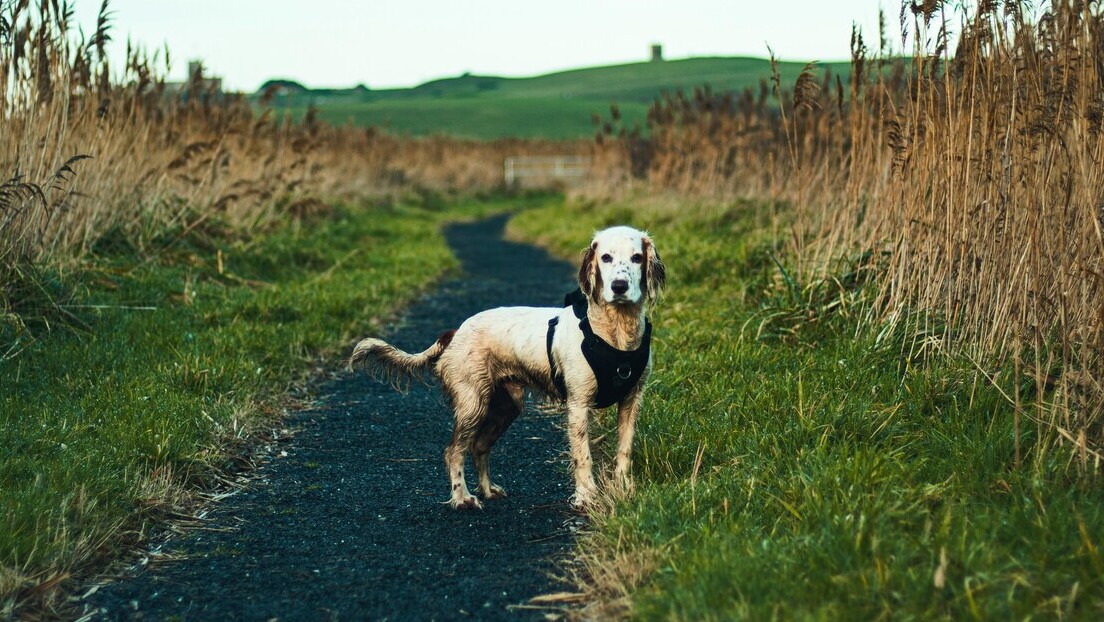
622 267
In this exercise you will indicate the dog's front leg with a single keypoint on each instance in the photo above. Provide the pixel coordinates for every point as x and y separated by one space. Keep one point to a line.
627 412
578 417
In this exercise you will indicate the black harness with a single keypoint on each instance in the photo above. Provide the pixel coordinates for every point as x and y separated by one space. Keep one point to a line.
617 371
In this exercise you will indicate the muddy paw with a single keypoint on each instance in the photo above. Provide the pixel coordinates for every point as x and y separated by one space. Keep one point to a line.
622 484
496 492
582 503
466 503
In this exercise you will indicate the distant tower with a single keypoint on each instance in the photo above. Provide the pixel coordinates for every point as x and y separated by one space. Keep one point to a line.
657 53
195 69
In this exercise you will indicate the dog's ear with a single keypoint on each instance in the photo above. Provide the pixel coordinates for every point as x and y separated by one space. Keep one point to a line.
653 274
588 274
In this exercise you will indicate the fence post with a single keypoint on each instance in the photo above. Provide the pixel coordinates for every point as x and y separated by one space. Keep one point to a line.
539 171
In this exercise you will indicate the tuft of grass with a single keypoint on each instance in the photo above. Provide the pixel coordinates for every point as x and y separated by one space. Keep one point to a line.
819 472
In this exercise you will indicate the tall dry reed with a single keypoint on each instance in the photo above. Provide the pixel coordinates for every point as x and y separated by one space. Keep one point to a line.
90 151
967 175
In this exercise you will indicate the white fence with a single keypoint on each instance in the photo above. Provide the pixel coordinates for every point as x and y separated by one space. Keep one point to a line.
531 171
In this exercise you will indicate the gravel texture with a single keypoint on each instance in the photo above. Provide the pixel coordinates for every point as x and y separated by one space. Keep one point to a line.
350 523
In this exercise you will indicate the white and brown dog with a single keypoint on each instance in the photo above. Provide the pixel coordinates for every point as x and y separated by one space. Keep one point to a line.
486 364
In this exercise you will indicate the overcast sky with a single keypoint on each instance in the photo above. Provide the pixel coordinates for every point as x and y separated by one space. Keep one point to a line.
404 43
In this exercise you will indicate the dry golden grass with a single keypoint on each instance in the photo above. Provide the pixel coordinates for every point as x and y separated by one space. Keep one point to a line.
96 153
971 182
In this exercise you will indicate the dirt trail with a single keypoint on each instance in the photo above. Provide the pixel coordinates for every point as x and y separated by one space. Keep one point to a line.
350 525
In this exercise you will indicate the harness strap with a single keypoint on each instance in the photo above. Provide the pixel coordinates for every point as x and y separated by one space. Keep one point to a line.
557 378
616 372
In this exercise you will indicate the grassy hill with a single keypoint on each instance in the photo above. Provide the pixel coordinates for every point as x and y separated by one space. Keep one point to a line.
556 105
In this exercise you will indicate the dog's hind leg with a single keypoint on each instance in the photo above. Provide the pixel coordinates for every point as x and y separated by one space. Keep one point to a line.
507 402
471 410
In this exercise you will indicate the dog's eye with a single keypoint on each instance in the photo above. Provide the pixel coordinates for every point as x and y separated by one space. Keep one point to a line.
637 258
606 258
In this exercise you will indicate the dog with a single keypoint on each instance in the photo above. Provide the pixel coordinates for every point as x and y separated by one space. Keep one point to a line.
591 353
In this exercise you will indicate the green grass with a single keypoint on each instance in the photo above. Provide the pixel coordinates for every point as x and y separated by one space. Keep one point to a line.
530 117
553 106
104 430
835 473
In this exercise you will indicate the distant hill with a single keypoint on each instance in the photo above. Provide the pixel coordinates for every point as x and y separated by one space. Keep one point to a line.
279 83
555 105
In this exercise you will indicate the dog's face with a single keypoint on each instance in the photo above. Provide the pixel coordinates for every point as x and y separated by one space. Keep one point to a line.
622 267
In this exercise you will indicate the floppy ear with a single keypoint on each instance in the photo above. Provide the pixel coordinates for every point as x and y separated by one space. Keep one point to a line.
588 277
653 274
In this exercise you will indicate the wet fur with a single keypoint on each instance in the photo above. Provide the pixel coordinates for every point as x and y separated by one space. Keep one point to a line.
487 363
389 364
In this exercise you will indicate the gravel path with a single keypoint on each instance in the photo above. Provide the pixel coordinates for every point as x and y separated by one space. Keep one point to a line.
350 524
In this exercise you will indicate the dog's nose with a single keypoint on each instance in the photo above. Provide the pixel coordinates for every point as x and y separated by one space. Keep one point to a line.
620 286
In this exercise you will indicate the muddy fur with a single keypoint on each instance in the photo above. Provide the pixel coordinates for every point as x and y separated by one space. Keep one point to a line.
485 365
389 364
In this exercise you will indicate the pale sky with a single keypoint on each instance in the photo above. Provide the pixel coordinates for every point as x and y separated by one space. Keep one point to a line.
404 43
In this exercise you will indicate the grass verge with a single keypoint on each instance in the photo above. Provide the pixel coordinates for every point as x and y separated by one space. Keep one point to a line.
108 428
790 465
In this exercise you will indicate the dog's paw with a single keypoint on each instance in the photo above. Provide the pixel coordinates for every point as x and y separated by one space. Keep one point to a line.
582 501
466 503
496 492
622 484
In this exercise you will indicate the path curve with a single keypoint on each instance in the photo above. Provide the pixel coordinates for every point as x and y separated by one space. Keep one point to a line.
350 525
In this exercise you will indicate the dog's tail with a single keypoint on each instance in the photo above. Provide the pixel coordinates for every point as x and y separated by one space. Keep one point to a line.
386 362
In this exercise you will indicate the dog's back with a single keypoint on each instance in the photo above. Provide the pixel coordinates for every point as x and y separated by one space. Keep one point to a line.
502 334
